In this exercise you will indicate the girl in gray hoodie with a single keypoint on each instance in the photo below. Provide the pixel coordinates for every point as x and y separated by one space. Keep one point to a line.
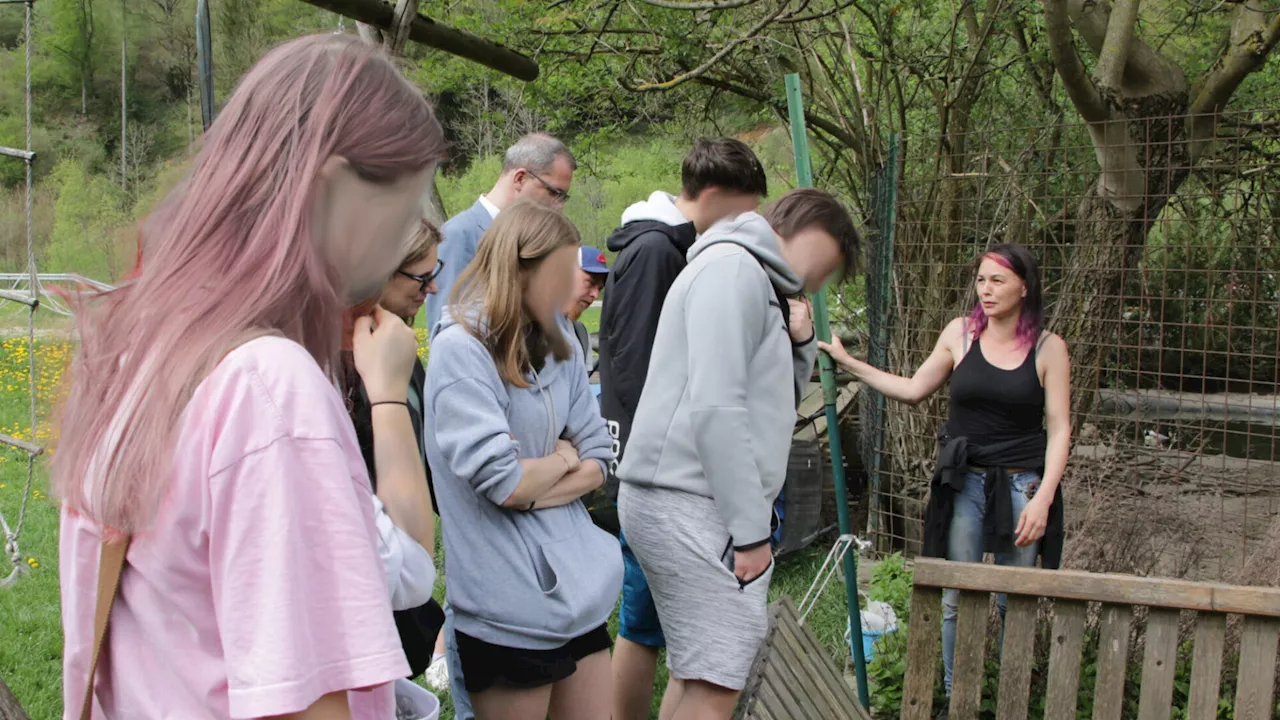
514 438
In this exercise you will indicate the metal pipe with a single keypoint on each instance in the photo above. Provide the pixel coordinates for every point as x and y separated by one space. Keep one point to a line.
204 61
20 154
822 326
57 277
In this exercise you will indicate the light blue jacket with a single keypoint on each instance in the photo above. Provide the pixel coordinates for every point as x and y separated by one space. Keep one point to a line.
461 234
532 580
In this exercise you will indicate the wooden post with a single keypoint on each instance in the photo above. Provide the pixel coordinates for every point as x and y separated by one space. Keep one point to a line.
9 707
393 41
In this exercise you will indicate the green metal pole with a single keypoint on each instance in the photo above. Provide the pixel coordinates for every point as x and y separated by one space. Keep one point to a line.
204 61
804 174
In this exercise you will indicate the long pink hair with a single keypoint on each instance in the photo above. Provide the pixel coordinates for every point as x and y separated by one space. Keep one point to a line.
228 253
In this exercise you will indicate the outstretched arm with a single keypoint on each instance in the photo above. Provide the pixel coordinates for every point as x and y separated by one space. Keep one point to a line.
930 376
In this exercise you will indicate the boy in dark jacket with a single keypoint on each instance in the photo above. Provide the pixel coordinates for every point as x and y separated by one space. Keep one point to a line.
719 179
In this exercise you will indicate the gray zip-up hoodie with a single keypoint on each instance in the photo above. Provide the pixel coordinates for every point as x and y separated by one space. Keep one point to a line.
532 580
718 407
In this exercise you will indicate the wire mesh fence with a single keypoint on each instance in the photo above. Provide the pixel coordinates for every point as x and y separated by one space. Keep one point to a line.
1161 268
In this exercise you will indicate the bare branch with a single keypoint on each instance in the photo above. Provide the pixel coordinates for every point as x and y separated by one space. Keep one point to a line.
1145 72
1115 46
584 30
1254 35
708 5
711 61
841 5
1044 86
1062 48
816 121
978 37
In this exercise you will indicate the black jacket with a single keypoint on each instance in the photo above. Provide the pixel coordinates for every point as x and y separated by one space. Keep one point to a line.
651 254
418 626
955 457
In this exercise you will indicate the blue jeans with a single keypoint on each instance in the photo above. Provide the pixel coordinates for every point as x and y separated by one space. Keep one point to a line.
637 616
457 688
964 544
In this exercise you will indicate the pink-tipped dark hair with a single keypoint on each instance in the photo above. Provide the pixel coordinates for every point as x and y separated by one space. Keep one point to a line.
230 251
1023 264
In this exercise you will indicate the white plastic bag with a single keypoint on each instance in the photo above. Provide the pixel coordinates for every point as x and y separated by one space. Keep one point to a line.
878 618
414 702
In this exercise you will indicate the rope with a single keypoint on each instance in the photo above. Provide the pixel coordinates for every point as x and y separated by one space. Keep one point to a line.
11 536
830 567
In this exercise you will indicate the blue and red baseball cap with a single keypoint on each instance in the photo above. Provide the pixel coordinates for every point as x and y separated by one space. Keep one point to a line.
592 261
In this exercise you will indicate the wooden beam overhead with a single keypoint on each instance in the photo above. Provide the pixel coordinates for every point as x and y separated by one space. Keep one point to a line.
379 13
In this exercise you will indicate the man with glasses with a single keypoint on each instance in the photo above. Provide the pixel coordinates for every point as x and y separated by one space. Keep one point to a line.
538 167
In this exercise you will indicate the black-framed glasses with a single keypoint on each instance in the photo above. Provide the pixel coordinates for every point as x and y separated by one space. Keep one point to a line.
558 193
424 280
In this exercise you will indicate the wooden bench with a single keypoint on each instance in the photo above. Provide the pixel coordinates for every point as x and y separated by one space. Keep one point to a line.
792 677
1071 593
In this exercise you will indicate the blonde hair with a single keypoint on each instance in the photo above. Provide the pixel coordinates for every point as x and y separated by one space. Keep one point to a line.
424 238
522 236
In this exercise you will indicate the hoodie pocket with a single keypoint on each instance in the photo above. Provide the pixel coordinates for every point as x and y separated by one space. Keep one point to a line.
581 576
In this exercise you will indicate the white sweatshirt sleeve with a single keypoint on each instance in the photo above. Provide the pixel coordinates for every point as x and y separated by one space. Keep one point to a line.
411 572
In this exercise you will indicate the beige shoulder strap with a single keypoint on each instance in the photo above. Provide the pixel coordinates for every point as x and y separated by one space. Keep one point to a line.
110 567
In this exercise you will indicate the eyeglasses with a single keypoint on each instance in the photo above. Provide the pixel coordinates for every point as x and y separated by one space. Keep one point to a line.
558 193
424 280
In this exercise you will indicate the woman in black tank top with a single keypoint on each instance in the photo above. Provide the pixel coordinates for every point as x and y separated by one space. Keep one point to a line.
1004 446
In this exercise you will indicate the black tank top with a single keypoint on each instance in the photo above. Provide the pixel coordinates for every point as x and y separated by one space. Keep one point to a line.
991 404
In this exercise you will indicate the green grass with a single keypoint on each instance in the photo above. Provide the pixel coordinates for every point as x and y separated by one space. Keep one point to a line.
30 624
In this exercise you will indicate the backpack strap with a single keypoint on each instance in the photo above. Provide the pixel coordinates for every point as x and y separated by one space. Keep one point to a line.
110 567
785 307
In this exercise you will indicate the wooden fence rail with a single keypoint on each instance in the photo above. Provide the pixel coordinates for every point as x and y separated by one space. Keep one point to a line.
1071 593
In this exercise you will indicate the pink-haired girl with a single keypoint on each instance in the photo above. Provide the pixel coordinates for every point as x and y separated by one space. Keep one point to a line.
203 422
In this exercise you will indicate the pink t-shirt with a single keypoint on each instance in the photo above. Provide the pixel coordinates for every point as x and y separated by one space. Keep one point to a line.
259 590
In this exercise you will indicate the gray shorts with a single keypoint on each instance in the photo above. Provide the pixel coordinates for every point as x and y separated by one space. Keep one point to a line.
713 625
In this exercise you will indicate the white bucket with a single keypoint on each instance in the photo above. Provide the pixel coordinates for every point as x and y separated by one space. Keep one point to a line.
415 702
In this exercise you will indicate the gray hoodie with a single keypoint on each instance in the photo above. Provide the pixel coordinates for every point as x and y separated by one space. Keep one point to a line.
718 407
532 580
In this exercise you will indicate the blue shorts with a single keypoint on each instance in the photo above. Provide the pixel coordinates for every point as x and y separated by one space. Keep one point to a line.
638 616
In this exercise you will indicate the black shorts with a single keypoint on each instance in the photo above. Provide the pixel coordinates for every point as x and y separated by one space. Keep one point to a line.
485 664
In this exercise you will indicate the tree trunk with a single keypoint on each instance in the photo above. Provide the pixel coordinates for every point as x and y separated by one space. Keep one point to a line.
10 709
1110 234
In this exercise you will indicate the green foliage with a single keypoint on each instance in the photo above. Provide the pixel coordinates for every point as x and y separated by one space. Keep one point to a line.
89 211
890 583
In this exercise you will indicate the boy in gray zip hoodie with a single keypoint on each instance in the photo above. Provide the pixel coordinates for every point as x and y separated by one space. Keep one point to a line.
708 449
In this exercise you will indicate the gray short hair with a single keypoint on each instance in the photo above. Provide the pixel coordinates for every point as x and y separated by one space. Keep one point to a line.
536 152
